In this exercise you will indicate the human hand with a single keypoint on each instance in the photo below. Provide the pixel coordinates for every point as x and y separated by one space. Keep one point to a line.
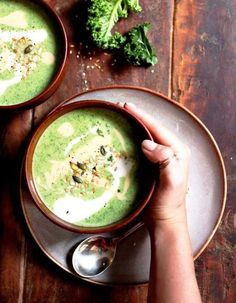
167 204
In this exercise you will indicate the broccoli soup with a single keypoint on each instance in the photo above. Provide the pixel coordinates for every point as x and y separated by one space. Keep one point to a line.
28 51
86 167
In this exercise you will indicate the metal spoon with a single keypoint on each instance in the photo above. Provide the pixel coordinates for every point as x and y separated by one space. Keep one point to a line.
95 254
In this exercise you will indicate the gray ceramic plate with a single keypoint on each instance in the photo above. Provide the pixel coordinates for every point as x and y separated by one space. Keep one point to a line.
205 199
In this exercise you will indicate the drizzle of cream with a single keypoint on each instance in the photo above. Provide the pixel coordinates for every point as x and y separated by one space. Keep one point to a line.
74 209
4 84
125 189
35 35
7 59
15 19
78 139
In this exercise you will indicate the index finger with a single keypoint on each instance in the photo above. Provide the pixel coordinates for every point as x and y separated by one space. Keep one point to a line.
161 134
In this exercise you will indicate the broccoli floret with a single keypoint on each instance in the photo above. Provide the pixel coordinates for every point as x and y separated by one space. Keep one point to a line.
137 49
103 15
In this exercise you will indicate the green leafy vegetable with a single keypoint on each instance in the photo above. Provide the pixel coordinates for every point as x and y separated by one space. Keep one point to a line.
137 49
103 15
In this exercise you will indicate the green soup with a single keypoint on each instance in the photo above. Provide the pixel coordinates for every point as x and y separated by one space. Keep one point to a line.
29 51
86 167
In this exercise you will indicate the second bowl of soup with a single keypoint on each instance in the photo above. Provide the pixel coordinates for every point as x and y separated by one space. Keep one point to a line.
33 52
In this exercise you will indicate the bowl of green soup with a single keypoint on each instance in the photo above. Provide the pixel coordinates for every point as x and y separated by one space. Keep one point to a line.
85 169
33 52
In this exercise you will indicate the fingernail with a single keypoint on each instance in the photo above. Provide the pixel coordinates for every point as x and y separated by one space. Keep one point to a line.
149 145
130 104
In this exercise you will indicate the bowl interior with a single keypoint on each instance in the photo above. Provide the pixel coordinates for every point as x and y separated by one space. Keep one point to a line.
144 174
37 46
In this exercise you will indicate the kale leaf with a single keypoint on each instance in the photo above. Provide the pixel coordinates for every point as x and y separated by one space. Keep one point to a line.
137 49
103 15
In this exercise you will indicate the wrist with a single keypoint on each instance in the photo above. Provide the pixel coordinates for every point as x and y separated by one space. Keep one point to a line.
167 227
169 219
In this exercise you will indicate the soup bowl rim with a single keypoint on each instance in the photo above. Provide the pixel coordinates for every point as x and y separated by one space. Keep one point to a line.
28 169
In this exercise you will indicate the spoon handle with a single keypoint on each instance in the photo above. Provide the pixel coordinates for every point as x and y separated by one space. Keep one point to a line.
128 232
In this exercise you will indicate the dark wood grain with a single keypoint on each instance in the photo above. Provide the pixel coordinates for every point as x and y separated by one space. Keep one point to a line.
196 67
13 132
204 62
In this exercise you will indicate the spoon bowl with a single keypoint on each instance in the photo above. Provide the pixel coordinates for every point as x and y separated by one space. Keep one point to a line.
95 254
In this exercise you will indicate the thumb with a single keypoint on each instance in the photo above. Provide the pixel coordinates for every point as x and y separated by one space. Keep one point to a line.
156 153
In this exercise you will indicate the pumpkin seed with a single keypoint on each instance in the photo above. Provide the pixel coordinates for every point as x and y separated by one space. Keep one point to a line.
74 166
102 150
77 179
28 49
99 132
81 166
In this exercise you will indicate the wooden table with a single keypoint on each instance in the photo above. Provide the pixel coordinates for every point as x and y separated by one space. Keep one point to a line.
196 46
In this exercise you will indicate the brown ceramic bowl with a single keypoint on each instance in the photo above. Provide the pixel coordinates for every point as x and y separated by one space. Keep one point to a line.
61 64
146 176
